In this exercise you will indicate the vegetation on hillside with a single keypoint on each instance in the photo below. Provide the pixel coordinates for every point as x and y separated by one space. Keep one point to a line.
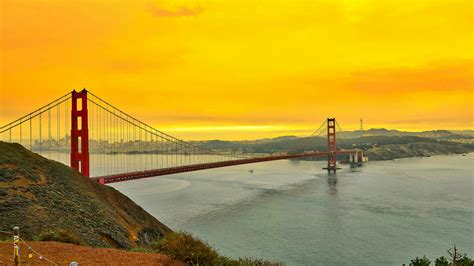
417 149
49 200
61 235
192 250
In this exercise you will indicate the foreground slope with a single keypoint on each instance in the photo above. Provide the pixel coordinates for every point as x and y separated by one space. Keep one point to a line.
42 195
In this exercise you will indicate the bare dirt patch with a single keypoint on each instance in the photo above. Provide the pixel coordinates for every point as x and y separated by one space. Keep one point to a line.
63 254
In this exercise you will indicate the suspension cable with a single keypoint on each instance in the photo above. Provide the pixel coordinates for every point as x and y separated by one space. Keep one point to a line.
169 137
146 128
37 110
340 130
27 117
317 130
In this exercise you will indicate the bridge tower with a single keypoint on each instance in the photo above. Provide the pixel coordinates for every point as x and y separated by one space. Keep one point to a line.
79 133
331 145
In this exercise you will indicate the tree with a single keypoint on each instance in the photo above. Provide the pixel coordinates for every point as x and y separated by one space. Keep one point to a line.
465 261
455 259
442 261
454 254
420 261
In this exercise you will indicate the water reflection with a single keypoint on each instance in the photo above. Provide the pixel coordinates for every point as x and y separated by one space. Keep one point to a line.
295 162
332 182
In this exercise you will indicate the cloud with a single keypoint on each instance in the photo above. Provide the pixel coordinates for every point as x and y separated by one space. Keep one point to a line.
181 11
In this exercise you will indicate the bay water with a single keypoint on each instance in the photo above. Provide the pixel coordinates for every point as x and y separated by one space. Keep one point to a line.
384 213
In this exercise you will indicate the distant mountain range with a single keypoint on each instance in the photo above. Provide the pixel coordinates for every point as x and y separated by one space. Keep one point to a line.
432 134
380 142
437 134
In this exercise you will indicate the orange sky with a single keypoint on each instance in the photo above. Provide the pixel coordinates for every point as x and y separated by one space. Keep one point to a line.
245 69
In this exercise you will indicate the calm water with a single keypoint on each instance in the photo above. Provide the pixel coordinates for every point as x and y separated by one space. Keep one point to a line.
382 214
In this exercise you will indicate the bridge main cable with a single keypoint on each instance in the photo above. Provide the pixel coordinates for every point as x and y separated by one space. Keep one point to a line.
144 126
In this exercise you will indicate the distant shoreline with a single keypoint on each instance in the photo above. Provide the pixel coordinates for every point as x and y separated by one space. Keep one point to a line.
424 157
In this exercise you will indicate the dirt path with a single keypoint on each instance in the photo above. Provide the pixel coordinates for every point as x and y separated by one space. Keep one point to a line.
63 254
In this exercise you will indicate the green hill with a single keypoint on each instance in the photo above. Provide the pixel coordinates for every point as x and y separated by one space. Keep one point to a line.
42 195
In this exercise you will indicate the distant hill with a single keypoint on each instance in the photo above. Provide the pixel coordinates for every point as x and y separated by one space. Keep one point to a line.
380 147
464 132
416 149
38 195
435 134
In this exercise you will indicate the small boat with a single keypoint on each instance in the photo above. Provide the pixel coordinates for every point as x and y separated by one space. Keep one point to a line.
251 171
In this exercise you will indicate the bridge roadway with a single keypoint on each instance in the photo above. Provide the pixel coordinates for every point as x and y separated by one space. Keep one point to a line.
196 167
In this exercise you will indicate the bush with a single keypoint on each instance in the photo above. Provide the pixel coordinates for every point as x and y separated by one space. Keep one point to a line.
465 261
442 261
226 261
185 247
420 261
61 235
142 250
257 262
456 258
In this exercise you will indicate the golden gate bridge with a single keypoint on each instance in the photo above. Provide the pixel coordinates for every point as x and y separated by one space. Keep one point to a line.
102 142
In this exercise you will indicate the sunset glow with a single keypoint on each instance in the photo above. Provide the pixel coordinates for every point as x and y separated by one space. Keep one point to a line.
240 69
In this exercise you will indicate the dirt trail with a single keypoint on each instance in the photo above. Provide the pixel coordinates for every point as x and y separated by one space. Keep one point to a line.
63 254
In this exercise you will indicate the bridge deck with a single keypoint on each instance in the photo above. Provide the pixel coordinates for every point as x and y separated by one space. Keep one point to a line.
196 167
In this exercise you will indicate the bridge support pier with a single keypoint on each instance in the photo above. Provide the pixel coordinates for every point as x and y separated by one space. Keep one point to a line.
331 145
79 133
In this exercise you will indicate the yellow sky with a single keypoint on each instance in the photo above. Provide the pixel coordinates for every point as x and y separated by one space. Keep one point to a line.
245 69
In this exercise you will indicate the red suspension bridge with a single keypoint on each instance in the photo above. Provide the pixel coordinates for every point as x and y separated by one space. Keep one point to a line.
108 145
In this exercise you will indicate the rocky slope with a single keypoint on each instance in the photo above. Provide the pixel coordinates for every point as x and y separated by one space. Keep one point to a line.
42 195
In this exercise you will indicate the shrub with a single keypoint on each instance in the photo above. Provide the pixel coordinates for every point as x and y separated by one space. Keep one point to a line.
442 261
142 250
420 261
185 247
61 235
456 258
257 262
465 261
226 261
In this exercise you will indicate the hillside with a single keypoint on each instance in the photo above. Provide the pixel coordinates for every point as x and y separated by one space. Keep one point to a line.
299 144
379 147
417 149
42 195
434 134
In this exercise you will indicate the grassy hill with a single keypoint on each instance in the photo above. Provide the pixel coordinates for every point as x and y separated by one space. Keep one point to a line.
43 196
